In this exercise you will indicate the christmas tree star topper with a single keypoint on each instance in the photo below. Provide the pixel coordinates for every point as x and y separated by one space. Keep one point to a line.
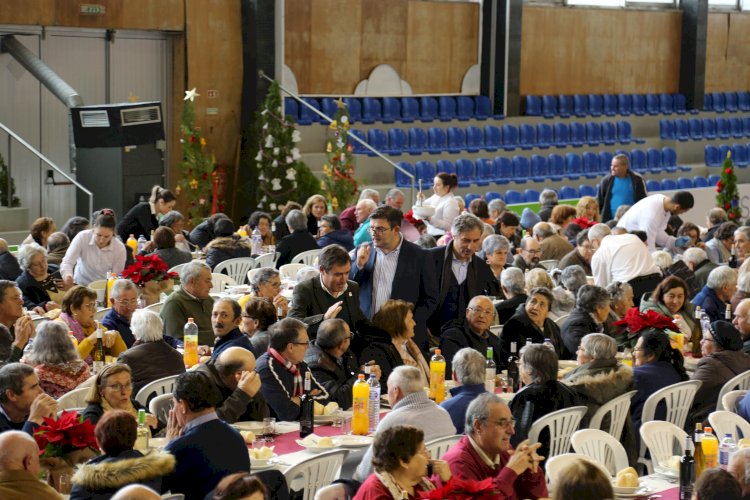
191 94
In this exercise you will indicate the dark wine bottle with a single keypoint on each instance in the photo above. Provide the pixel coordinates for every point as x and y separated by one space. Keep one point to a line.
687 472
513 367
307 410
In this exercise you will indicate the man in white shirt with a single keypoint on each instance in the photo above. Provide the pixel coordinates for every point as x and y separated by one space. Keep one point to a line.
652 214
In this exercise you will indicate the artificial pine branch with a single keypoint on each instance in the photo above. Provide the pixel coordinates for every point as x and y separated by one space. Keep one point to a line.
726 189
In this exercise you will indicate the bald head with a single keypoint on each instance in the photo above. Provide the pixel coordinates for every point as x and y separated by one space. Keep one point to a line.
18 451
363 210
136 492
237 356
480 313
3 246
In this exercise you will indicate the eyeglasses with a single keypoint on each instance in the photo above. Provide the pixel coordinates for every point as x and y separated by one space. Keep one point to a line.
534 252
379 230
246 316
301 343
505 422
481 312
91 306
120 387
128 303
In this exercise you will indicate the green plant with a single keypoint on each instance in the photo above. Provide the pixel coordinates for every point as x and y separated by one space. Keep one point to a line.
338 174
726 189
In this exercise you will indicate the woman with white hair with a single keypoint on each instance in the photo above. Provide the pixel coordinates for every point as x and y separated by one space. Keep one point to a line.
35 282
55 360
266 284
743 289
150 358
495 248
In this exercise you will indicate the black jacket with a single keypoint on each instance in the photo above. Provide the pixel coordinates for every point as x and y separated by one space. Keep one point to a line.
9 268
386 356
579 324
294 244
458 334
34 292
225 248
236 405
507 308
336 376
520 327
140 358
138 221
604 192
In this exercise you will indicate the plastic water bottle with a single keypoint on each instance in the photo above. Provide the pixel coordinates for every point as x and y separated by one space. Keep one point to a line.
190 339
548 344
256 242
373 408
727 448
141 243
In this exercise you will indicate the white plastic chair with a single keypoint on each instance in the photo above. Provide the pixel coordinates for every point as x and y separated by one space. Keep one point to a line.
251 273
559 321
549 264
155 307
236 268
99 314
562 424
332 492
661 439
220 282
316 472
618 410
289 271
160 406
87 383
73 399
726 422
678 399
160 386
100 287
731 399
741 382
178 268
556 465
602 448
438 447
308 258
266 259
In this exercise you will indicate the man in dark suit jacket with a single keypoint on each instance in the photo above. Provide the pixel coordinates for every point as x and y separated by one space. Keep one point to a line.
461 275
300 240
402 270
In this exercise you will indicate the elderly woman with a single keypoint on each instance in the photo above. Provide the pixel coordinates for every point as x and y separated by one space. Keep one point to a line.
175 221
621 301
397 318
35 282
496 248
400 460
670 298
41 229
266 284
55 360
257 316
147 328
226 245
514 289
531 322
78 309
57 244
119 465
570 280
314 210
113 390
166 248
590 315
263 222
742 243
655 366
542 393
538 277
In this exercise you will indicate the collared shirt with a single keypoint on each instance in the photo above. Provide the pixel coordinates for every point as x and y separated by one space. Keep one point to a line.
86 262
460 268
332 294
200 420
621 257
648 215
482 454
385 271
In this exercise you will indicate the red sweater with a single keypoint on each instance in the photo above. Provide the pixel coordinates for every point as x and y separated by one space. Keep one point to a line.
373 489
465 463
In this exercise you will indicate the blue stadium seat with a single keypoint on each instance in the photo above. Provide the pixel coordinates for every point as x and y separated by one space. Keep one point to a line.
713 179
446 166
510 137
680 103
596 104
696 128
328 106
639 105
371 110
717 98
377 139
609 104
493 138
666 129
624 104
711 156
586 190
709 128
469 197
401 179
425 171
568 193
653 160
539 168
446 108
521 169
593 133
562 135
624 132
485 171
653 105
428 108
580 105
669 185
666 104
513 197
417 141
743 101
526 136
531 195
464 107
590 165
291 108
391 109
483 107
746 125
653 185
533 105
492 195
409 109
436 140
730 101
474 139
669 157
549 106
736 128
456 139
577 134
681 129
465 171
306 116
700 182
708 102
354 106
605 161
398 141
638 160
740 155
609 133
722 128
556 165
358 148
503 169
544 137
565 105
573 166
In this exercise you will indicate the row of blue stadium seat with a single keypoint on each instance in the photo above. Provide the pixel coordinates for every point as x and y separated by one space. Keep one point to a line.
416 141
706 128
715 155
582 105
391 109
538 168
727 101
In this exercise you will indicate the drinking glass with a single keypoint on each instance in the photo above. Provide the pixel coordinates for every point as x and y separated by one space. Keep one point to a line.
269 428
508 386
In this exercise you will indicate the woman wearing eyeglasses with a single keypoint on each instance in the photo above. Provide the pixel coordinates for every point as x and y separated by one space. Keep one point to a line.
113 390
35 281
266 285
671 298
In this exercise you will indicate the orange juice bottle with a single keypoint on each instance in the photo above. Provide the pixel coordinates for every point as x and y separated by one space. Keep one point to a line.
190 343
132 243
710 446
111 278
360 397
437 377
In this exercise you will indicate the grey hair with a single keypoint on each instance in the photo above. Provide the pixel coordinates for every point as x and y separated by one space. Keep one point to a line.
572 278
599 346
617 290
721 276
539 362
495 243
296 220
743 282
694 255
599 231
468 363
744 455
263 275
543 230
28 252
393 192
466 222
496 204
367 203
146 325
305 273
120 286
592 297
331 332
369 194
548 196
192 271
536 278
12 376
170 218
717 215
621 211
52 345
479 409
513 281
662 259
488 230
744 230
406 378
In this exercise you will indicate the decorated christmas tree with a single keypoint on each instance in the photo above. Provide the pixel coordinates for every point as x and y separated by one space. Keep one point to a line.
197 166
726 189
338 174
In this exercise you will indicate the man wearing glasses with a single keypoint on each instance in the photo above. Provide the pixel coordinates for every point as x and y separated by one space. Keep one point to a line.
528 257
124 302
473 331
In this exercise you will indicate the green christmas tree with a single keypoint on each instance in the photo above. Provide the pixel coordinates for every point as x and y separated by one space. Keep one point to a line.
726 189
5 178
338 174
197 165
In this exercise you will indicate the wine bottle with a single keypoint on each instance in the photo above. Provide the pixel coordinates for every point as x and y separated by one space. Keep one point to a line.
698 453
513 377
98 353
307 408
687 472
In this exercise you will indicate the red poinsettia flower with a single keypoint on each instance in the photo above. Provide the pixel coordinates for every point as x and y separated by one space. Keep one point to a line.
70 432
636 321
460 489
147 268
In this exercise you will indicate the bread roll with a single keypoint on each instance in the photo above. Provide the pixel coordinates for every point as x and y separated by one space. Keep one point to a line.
318 408
325 442
330 408
248 436
627 478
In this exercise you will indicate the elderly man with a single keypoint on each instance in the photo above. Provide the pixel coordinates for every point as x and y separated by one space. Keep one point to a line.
23 404
16 328
473 330
411 406
739 467
714 219
485 451
225 320
589 315
529 255
333 364
468 373
123 301
552 245
348 218
496 208
513 286
192 300
652 215
206 448
571 279
9 267
697 261
621 187
742 323
57 245
548 200
362 214
460 274
136 492
392 268
148 347
581 255
282 369
715 297
297 241
394 198
19 469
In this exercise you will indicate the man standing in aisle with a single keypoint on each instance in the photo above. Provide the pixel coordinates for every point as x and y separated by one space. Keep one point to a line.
621 187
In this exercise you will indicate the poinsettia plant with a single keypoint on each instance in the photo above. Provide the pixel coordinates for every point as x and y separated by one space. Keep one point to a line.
148 268
463 489
637 321
69 433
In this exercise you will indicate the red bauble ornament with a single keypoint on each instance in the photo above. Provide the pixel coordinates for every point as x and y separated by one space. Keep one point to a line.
728 170
726 206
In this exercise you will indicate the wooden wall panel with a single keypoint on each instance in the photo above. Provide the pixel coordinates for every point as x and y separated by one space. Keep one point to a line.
297 20
428 48
728 52
335 42
384 35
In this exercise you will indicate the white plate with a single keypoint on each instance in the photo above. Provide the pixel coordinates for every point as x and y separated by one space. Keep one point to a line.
258 463
353 441
256 427
638 493
667 472
625 490
157 443
314 449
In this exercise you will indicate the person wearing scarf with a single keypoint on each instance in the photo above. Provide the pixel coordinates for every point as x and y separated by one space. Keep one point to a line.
113 390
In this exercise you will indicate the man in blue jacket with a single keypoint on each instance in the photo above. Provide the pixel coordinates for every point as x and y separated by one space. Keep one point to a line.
468 372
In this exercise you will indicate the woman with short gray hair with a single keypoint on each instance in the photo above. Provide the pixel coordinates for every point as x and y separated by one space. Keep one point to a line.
55 360
35 282
513 287
266 284
590 315
496 248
